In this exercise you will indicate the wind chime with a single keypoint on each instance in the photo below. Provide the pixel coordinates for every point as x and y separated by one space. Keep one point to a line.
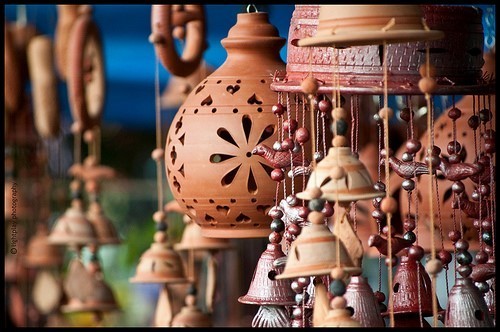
85 286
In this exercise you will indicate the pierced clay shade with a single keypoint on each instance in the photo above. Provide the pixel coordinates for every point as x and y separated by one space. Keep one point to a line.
73 228
466 306
159 264
314 253
359 296
41 253
106 231
355 185
457 57
264 288
210 167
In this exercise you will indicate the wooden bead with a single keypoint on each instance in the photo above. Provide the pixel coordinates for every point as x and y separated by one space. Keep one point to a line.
389 205
93 267
309 85
155 38
89 136
190 300
425 70
160 237
85 10
339 113
340 141
316 217
338 302
386 112
337 172
427 85
179 32
92 186
158 154
159 216
76 127
75 185
337 273
314 192
434 266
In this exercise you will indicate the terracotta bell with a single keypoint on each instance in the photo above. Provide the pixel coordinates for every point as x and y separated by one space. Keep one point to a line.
359 296
40 252
192 239
264 288
100 298
355 185
208 155
314 253
466 306
409 275
106 231
191 316
73 228
339 318
159 264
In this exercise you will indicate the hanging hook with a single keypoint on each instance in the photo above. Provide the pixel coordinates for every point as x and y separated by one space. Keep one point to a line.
250 6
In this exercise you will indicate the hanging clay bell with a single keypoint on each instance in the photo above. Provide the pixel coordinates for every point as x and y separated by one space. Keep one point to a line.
100 298
159 264
208 155
264 288
466 306
192 239
314 253
106 231
360 298
40 252
355 185
73 228
191 316
411 277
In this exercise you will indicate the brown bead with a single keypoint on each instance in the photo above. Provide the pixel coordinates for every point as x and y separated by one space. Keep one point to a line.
314 192
409 224
159 216
76 127
444 256
75 185
92 186
303 211
190 300
290 124
89 136
427 70
337 273
277 175
454 236
427 85
155 38
405 114
325 105
294 229
454 113
434 266
338 302
386 112
489 145
302 135
287 144
275 237
309 85
90 161
340 141
389 205
337 172
339 113
416 252
316 217
179 32
158 154
160 237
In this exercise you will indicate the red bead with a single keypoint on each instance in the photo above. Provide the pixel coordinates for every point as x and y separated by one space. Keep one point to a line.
278 109
413 145
302 135
445 257
409 224
287 144
303 211
416 252
453 147
327 209
481 257
277 175
489 145
289 237
405 114
454 113
379 296
325 106
275 237
294 229
290 124
473 121
394 261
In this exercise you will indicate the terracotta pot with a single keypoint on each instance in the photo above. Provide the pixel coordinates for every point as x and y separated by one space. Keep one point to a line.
210 167
457 57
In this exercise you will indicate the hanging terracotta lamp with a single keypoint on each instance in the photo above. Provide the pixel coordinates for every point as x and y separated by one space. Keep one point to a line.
359 296
211 170
190 315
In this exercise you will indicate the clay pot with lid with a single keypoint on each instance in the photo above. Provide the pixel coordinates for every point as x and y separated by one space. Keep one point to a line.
210 167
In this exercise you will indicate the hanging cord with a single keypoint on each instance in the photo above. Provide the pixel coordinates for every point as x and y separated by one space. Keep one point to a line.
159 173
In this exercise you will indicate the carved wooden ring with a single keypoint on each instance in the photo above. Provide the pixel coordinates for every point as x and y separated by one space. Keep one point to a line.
85 73
44 86
12 79
67 15
163 19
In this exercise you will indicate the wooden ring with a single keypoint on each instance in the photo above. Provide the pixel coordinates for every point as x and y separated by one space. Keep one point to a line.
44 86
85 69
12 79
163 19
67 15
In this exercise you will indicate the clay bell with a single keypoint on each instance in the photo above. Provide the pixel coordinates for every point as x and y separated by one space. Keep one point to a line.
159 264
191 316
355 185
359 296
314 253
73 228
466 306
192 239
409 278
40 252
106 231
208 155
264 288
100 298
